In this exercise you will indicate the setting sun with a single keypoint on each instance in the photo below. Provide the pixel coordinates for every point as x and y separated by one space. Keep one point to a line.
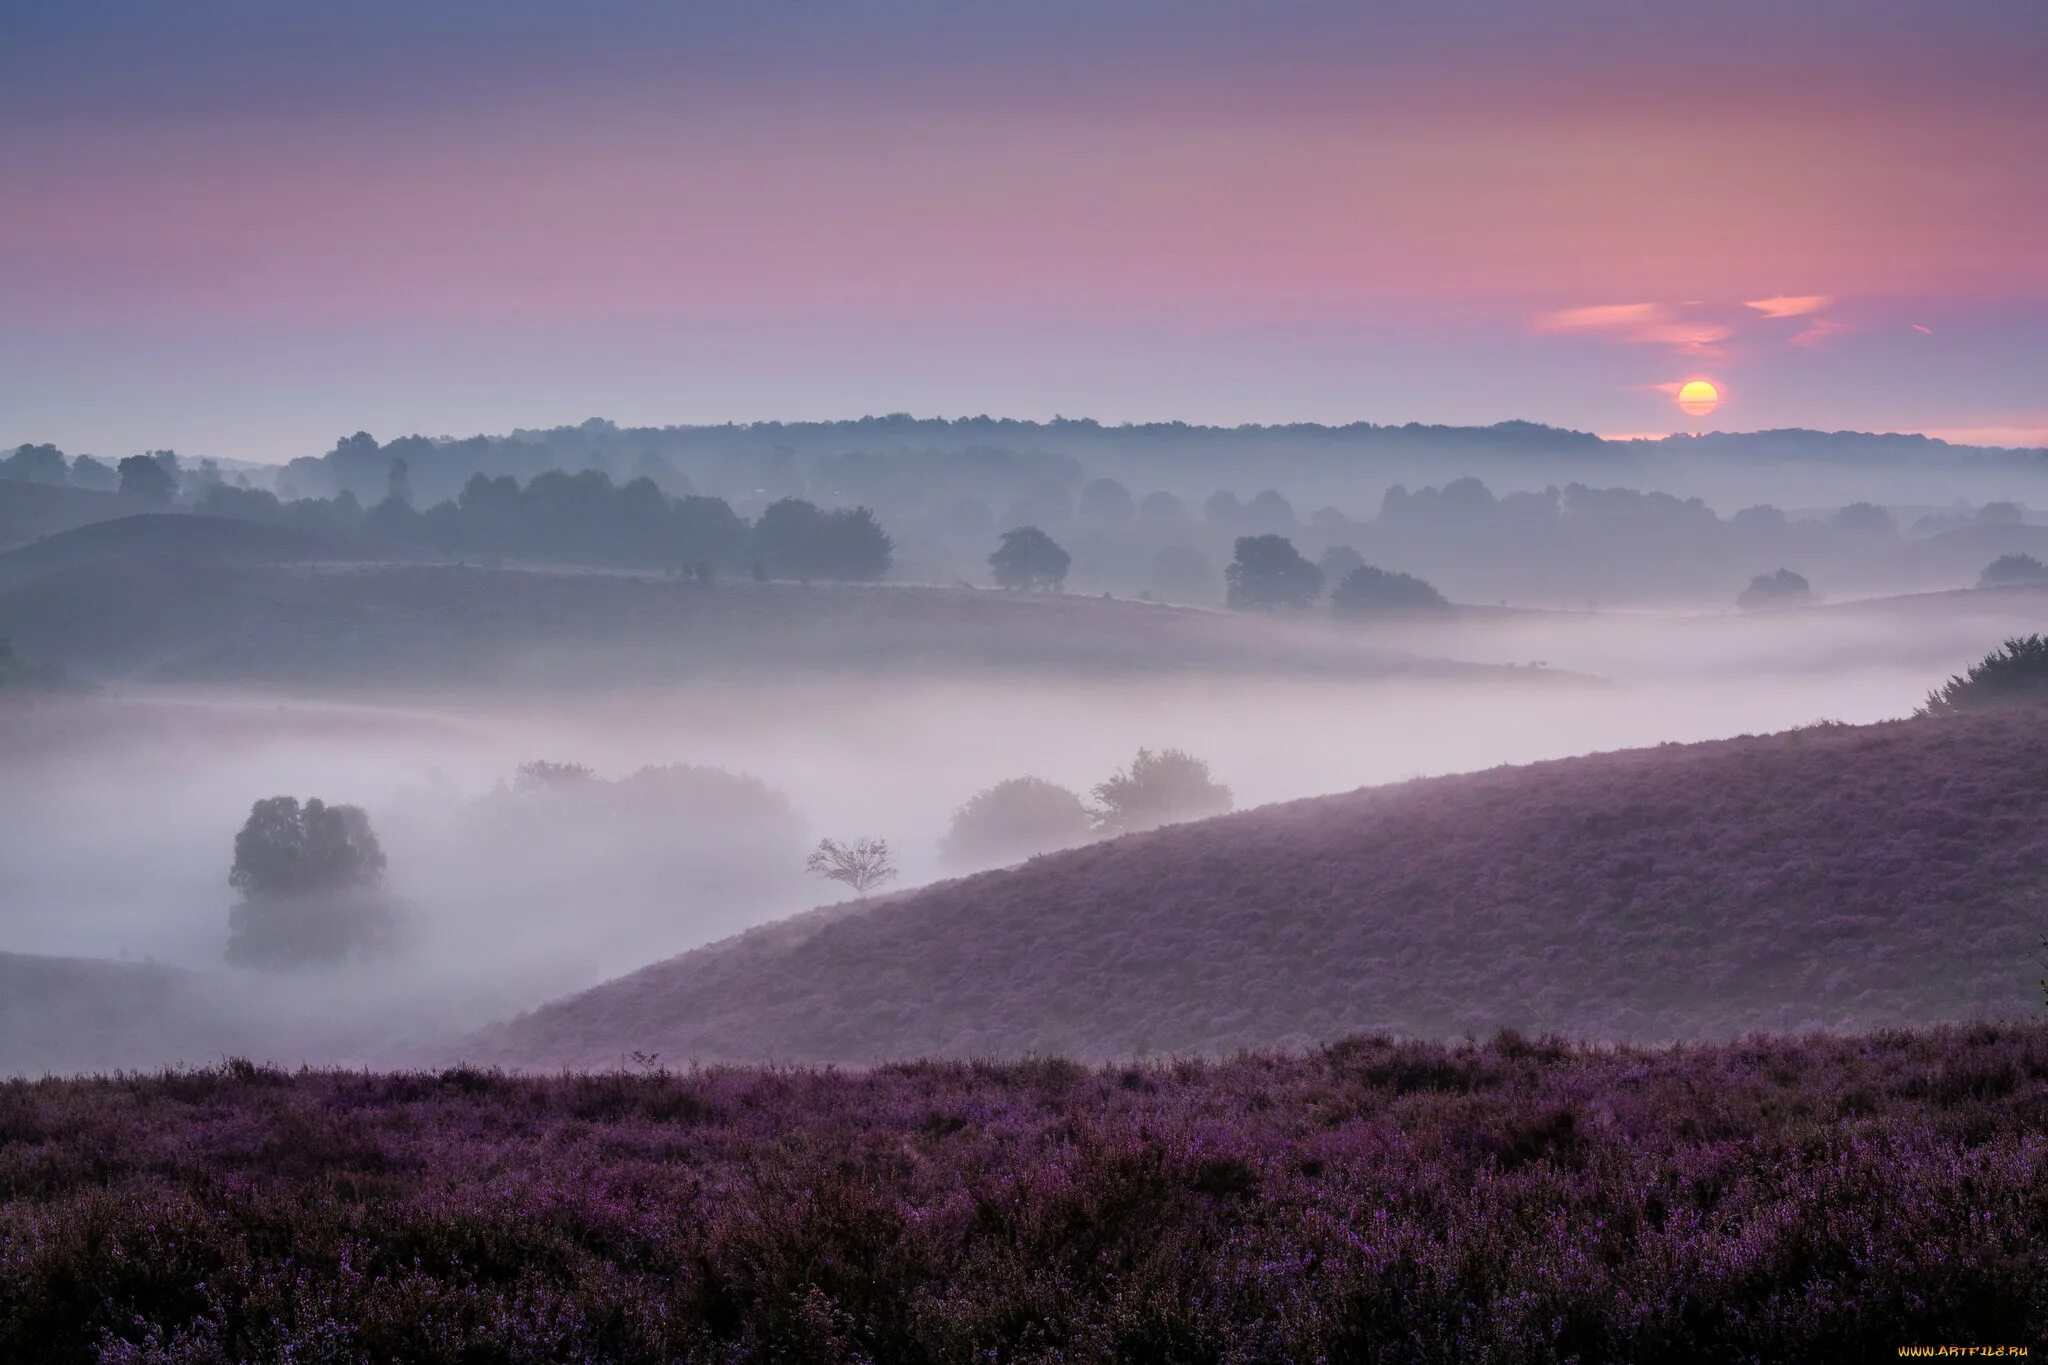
1698 397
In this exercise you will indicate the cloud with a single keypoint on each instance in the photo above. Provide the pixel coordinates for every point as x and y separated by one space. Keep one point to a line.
1654 324
1605 317
1819 330
1918 328
1790 305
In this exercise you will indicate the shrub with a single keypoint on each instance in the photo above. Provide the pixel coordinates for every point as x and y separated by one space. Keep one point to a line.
2015 674
1159 789
2014 570
1768 590
1013 819
1370 591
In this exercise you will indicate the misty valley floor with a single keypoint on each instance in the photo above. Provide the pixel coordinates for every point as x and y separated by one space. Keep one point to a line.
1775 1199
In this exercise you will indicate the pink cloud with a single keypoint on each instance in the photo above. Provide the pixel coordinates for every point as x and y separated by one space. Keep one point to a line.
1819 330
1790 305
1605 317
1651 324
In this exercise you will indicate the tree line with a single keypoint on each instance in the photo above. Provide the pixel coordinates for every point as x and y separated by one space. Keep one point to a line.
583 518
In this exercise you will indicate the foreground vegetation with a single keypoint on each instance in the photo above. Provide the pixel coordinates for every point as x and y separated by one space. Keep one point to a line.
1769 1199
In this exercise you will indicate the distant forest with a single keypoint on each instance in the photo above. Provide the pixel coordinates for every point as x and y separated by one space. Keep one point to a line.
1141 510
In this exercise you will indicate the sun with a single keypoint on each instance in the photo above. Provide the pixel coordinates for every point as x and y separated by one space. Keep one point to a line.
1698 397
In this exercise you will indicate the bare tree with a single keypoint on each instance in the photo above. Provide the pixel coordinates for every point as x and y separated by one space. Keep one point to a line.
863 864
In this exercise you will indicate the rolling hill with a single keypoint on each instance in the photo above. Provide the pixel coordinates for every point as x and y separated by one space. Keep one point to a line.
212 618
152 537
29 511
1837 877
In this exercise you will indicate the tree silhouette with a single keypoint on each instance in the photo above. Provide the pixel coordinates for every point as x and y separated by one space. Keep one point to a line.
310 878
1029 559
2014 674
863 864
146 478
1269 572
1015 818
1781 589
1370 591
1157 789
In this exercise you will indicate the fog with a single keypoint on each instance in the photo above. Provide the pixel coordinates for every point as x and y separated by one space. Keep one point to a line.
755 638
120 809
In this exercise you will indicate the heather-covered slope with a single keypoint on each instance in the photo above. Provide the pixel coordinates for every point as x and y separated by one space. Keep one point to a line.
414 625
1839 877
1774 1200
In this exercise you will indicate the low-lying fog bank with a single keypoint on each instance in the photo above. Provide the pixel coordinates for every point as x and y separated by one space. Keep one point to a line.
119 813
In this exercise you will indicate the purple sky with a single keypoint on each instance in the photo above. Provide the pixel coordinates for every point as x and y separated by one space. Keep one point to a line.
246 228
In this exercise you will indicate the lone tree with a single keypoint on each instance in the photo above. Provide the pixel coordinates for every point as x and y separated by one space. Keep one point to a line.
1370 591
2014 674
143 476
863 864
2013 571
311 879
1781 589
1159 789
1014 819
1268 573
1031 560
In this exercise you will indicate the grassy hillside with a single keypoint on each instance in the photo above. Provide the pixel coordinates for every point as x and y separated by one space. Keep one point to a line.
1838 878
29 511
155 536
205 619
1772 1200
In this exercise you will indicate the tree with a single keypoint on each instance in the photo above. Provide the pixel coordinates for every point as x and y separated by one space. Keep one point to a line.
1269 572
86 472
1370 591
542 775
2014 674
1222 509
1030 560
1158 789
2002 514
863 864
1338 561
1163 509
146 478
310 878
1865 519
37 464
2012 571
1768 590
1013 819
1270 512
1105 500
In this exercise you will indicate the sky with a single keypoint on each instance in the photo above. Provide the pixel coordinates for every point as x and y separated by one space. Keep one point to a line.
246 229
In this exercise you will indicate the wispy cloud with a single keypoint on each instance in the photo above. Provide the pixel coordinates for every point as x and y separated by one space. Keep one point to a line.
1653 324
1790 305
1819 330
1603 317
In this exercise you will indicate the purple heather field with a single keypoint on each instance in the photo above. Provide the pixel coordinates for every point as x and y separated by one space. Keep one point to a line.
1762 1200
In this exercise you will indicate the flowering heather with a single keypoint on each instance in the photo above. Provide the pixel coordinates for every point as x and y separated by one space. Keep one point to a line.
1837 878
1773 1199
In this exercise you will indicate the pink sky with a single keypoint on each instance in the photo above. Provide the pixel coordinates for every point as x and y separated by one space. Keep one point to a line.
1257 234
